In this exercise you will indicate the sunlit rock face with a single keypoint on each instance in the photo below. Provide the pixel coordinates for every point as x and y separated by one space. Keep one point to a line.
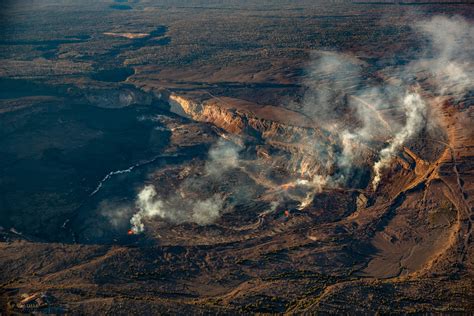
292 140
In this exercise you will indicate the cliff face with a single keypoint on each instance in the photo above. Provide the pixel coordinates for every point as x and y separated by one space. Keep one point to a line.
306 149
245 118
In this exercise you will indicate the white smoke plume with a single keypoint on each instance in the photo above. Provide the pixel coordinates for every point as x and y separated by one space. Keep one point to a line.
450 58
338 91
187 206
317 184
148 208
174 209
449 65
415 110
224 155
207 211
330 77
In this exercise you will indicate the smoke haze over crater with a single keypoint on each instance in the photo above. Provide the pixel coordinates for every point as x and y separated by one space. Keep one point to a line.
338 88
369 119
188 205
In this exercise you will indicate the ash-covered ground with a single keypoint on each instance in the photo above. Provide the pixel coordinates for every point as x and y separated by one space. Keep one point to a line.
231 157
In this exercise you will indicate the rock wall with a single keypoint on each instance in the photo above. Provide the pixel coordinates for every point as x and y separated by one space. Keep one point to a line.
308 149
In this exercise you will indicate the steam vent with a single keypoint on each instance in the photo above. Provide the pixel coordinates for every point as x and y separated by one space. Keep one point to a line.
236 157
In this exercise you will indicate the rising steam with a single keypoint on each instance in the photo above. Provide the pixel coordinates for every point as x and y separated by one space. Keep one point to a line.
175 210
367 120
188 205
415 110
336 87
450 58
224 155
